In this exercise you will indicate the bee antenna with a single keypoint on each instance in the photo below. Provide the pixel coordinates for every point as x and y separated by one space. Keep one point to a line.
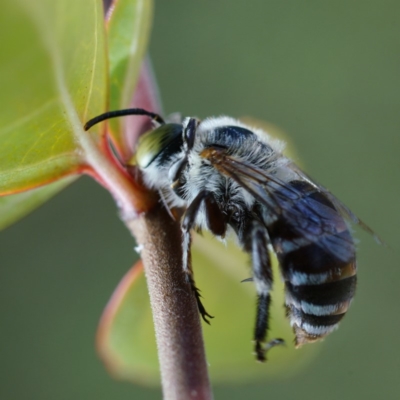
122 113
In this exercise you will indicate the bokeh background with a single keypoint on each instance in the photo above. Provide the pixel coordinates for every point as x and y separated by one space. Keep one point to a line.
328 74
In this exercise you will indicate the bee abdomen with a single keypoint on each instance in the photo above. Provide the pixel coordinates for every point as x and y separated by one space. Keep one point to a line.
319 288
316 254
324 299
316 310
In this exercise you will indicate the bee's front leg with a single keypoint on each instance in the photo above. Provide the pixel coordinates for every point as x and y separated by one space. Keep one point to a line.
216 222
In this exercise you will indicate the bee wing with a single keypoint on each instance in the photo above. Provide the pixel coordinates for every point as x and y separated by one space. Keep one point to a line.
340 206
313 219
266 188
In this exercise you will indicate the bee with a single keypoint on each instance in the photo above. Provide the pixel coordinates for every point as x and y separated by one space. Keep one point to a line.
227 176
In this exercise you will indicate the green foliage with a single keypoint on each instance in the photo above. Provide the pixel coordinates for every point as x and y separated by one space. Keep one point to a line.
53 76
128 33
16 206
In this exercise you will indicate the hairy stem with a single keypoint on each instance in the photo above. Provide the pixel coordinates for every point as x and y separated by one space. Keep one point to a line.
177 324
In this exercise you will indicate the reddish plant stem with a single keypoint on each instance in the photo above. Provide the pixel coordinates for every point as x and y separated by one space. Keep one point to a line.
179 337
177 324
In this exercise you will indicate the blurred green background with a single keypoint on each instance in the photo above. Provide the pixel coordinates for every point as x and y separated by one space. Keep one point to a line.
328 74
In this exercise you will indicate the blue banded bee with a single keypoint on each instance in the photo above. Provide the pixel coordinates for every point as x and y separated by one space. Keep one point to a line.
227 176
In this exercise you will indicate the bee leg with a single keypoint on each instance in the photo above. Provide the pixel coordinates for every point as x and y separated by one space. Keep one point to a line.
188 221
262 276
187 268
187 224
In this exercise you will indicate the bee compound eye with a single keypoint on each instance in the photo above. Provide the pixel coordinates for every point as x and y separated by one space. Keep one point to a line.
160 143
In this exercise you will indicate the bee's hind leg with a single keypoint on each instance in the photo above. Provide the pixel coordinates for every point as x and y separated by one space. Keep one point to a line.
256 243
216 222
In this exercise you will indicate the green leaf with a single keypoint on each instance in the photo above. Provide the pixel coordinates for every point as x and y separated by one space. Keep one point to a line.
126 335
128 34
52 78
17 206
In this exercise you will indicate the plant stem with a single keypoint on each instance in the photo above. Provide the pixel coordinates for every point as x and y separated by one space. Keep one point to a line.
177 324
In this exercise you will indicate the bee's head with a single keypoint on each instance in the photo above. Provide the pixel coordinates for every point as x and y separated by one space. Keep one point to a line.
158 145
